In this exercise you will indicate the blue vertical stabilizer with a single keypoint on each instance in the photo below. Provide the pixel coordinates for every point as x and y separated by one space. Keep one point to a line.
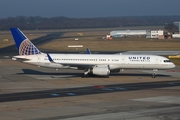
24 45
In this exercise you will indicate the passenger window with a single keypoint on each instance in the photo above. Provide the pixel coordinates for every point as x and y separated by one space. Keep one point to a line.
167 61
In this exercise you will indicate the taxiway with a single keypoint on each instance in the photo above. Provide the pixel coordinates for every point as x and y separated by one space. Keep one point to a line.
35 93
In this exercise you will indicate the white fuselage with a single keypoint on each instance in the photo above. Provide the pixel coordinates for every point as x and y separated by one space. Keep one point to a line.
114 61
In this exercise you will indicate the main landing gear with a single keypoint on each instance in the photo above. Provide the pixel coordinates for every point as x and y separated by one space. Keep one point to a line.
154 73
86 73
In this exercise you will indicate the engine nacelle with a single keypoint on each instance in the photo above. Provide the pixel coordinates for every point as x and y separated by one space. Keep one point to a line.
102 70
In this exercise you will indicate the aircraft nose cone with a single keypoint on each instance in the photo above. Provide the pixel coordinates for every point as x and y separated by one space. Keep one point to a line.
173 65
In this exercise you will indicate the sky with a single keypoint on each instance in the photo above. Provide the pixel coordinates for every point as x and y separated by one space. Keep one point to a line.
88 8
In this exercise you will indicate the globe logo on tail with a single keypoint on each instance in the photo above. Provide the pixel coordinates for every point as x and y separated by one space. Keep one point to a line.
27 48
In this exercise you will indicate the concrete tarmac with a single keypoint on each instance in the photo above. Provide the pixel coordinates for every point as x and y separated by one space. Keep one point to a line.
32 93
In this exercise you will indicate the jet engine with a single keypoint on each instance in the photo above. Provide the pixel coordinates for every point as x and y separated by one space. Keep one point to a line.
102 70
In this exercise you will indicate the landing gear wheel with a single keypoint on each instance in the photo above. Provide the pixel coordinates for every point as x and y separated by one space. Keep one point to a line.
154 75
85 75
107 76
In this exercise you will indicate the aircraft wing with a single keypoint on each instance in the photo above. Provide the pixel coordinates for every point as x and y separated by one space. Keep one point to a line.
79 66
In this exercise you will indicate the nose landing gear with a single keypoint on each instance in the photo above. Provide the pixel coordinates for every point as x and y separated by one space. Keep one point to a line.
154 73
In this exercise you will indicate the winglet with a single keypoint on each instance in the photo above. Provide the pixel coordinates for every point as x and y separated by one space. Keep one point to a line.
50 59
88 51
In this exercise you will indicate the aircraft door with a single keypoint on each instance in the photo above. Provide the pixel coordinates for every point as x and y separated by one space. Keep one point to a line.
156 62
123 61
38 59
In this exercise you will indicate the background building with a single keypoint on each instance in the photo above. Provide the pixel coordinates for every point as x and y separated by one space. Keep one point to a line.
177 32
155 34
178 25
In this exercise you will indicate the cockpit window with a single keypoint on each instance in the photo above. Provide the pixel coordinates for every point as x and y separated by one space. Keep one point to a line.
167 61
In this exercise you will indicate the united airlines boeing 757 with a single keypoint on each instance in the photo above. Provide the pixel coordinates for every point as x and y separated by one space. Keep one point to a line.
97 64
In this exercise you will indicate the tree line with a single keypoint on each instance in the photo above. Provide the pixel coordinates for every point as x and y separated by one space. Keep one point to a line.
37 22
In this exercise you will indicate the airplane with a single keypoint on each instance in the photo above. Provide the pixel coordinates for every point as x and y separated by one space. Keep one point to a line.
92 64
